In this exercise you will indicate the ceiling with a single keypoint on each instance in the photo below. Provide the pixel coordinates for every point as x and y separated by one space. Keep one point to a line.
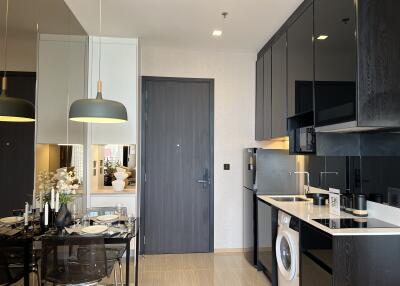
187 23
52 16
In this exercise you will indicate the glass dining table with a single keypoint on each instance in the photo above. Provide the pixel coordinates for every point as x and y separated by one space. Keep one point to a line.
28 240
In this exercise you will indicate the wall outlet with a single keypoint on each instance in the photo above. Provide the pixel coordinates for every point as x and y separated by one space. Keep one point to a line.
227 167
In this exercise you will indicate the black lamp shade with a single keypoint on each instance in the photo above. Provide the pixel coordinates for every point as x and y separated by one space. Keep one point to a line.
98 111
16 110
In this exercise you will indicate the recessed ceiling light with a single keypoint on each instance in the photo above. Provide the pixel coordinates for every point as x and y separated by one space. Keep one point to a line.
217 33
322 37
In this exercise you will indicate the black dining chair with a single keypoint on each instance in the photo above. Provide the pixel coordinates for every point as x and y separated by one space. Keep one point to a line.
114 252
74 259
16 260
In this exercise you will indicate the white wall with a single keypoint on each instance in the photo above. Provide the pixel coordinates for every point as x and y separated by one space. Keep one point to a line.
234 75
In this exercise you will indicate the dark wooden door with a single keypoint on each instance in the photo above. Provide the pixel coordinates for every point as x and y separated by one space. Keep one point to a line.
178 165
279 87
17 144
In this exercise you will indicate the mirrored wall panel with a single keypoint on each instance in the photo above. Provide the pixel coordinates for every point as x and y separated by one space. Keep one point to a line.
46 64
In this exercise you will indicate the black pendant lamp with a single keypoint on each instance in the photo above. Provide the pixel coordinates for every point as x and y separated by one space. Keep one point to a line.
13 109
98 110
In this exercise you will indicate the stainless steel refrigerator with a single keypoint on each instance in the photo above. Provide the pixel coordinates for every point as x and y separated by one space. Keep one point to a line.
266 172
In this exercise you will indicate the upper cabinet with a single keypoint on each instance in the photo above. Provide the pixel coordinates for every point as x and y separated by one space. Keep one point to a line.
260 99
279 87
61 81
267 94
264 96
300 64
119 74
335 65
378 29
356 65
335 62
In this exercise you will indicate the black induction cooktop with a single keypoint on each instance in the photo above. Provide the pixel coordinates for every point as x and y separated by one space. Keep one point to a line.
354 223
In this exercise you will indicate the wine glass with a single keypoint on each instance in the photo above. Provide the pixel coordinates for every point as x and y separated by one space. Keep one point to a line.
85 220
130 223
118 212
74 215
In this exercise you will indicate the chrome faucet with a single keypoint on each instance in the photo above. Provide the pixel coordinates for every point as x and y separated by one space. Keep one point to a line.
307 177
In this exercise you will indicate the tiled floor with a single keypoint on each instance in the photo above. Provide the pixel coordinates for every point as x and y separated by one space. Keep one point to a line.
199 269
205 269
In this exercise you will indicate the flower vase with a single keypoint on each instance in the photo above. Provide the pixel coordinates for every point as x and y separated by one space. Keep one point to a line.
63 218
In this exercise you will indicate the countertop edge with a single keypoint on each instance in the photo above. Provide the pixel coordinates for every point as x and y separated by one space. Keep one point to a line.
294 209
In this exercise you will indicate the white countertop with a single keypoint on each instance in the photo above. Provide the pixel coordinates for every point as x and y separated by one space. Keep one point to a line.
306 211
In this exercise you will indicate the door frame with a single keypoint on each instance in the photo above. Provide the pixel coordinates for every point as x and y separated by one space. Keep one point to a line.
143 119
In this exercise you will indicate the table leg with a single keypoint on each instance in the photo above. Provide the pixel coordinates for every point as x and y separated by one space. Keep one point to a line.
26 264
137 259
127 257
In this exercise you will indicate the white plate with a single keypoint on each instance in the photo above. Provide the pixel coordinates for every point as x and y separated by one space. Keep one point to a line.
94 229
109 217
12 219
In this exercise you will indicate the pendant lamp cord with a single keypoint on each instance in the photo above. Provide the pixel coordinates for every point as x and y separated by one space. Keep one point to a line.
99 83
5 42
100 29
4 80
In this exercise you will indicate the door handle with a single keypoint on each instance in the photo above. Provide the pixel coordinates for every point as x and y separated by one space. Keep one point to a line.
205 180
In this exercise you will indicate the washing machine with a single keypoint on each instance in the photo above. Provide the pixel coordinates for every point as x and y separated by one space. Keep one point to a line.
287 250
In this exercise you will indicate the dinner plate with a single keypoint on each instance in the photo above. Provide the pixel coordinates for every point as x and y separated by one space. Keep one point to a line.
11 219
94 229
109 217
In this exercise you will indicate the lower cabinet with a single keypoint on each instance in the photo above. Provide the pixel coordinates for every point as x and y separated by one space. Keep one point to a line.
316 257
267 219
348 260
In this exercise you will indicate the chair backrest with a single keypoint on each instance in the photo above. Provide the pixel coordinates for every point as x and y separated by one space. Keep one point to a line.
12 258
104 211
73 259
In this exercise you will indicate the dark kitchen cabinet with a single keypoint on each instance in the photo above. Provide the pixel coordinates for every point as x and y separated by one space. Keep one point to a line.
267 94
349 260
316 257
300 64
378 66
259 110
335 61
267 225
350 67
263 97
356 64
279 87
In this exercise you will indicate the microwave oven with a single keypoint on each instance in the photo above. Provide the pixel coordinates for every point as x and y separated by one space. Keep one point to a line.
305 139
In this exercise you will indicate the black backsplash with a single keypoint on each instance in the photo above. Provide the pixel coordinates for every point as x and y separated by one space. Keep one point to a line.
377 177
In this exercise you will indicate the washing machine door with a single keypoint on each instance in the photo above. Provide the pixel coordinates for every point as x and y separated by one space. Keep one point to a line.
286 255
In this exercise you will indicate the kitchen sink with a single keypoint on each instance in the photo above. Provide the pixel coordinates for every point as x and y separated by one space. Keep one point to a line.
289 199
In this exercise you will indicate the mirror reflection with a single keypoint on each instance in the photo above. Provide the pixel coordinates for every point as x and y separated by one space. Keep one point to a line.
374 176
113 168
45 57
